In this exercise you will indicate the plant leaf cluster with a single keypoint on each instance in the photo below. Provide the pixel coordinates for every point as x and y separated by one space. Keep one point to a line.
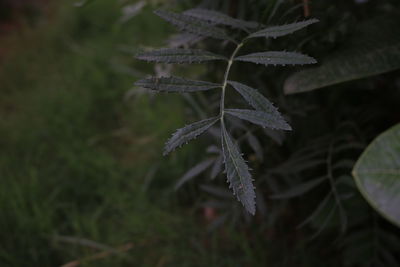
208 23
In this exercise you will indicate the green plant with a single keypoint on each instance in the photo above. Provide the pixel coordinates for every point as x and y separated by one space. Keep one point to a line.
204 23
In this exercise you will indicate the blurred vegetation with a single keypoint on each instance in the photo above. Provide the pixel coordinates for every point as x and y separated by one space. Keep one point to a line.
81 166
79 159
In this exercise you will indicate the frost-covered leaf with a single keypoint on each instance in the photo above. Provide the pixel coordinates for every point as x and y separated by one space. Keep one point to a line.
254 98
187 133
238 173
193 172
277 58
220 18
178 55
300 189
193 25
261 118
277 31
175 84
377 174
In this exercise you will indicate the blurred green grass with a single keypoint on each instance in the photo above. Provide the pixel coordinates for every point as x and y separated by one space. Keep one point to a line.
79 160
75 157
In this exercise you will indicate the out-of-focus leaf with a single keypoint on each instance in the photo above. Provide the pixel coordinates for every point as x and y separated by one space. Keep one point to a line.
193 25
238 173
300 189
178 55
261 118
277 31
255 145
175 84
377 174
374 48
187 133
220 18
217 167
130 11
277 58
193 172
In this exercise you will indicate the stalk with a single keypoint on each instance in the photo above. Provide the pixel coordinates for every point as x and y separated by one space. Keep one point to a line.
226 75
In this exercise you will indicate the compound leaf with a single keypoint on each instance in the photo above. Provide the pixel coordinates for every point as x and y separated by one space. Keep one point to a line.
377 174
187 133
220 18
178 55
175 84
193 25
277 31
238 173
277 58
261 118
254 98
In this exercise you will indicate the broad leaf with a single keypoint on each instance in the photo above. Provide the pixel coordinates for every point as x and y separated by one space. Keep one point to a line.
254 98
175 84
220 18
178 55
187 133
277 31
277 58
238 173
193 172
261 118
301 188
377 174
373 48
193 25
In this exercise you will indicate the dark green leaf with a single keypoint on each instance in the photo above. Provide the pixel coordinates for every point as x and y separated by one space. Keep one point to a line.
377 174
254 98
175 84
261 118
193 172
220 18
277 58
374 48
193 25
238 173
178 55
187 133
301 188
277 31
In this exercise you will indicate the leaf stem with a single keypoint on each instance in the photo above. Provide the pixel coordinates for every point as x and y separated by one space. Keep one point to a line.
226 75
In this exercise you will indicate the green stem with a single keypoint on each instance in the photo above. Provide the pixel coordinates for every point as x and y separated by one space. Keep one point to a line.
228 68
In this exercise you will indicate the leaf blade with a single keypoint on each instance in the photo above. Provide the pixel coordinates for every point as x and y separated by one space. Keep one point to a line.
178 55
377 174
220 18
187 133
238 173
281 30
300 189
261 118
277 58
193 172
193 25
175 84
254 98
372 49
